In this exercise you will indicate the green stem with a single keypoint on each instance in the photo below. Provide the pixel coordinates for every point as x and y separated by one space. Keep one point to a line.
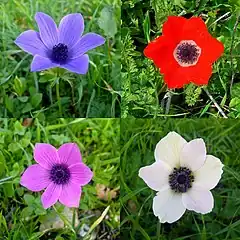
74 216
59 98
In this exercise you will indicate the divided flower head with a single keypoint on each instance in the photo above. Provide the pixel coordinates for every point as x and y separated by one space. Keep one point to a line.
61 172
62 46
185 52
183 176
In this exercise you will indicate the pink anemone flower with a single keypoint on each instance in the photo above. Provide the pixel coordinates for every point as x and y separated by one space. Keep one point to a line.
61 171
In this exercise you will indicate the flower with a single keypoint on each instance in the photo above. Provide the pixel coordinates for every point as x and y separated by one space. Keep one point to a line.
183 175
185 51
61 172
62 47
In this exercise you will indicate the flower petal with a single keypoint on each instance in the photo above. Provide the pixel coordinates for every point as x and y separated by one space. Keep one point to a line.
193 154
71 28
173 28
48 29
168 206
169 148
200 201
71 195
78 65
46 155
30 42
86 43
51 195
160 50
35 178
208 176
156 175
69 154
80 174
41 63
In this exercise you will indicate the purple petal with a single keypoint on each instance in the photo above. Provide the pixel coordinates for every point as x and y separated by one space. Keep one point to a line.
51 195
69 154
46 155
70 29
41 63
80 174
70 195
35 178
30 42
48 29
86 43
78 65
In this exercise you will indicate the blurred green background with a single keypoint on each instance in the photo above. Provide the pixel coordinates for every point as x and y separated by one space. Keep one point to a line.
138 140
22 216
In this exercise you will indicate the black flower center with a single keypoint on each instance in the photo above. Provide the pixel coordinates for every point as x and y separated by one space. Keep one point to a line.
60 174
187 53
181 179
60 53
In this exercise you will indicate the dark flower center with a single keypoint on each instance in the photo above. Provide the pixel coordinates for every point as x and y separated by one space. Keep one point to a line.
60 174
181 179
60 53
187 53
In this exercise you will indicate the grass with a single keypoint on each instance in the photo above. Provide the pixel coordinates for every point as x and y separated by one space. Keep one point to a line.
138 140
144 92
21 213
27 94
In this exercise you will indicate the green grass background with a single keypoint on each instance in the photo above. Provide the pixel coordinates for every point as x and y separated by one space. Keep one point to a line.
25 94
138 140
21 212
144 95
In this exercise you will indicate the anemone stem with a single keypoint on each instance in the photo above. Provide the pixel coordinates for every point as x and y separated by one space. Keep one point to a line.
215 103
59 98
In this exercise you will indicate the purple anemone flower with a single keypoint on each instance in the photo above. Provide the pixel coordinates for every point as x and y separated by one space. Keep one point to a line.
63 47
61 172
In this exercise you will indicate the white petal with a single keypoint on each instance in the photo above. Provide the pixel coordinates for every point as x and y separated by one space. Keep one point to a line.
208 176
168 206
200 201
156 175
193 154
169 148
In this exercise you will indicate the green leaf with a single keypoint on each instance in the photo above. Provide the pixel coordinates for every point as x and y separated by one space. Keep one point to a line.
107 21
8 189
29 199
9 104
18 86
28 107
13 147
19 129
36 99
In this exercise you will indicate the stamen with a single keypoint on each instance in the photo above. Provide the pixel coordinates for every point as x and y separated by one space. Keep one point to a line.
60 53
181 179
60 174
187 53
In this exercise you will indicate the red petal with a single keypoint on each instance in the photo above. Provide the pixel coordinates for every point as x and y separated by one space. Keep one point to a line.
160 51
195 29
198 74
173 28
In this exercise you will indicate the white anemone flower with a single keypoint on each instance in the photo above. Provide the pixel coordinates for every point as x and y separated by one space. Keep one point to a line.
183 176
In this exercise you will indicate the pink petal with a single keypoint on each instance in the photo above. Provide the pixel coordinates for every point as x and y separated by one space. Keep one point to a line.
71 194
35 178
51 195
80 174
69 154
46 155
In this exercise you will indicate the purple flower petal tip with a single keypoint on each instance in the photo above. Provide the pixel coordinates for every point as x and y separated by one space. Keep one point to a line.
60 172
62 46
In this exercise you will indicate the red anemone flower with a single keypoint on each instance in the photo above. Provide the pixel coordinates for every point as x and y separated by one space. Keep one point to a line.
185 52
